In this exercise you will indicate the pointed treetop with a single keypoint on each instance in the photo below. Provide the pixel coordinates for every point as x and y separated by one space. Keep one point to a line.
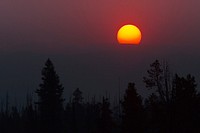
49 63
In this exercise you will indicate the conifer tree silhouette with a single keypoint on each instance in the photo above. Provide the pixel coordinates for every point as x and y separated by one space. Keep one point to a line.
29 116
106 122
159 78
132 119
185 105
50 101
77 97
77 111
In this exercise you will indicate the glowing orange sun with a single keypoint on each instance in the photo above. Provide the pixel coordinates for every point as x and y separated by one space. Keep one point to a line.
129 34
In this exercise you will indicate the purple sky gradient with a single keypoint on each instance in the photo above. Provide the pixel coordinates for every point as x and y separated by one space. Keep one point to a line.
80 38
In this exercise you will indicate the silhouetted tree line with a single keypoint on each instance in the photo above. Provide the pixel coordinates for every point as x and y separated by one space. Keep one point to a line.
173 107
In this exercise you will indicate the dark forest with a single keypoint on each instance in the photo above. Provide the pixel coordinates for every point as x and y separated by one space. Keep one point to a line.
172 107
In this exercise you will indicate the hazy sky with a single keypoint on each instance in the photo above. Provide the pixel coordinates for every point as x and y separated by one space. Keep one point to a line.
80 38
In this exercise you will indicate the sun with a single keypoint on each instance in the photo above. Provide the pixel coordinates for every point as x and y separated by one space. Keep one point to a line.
129 34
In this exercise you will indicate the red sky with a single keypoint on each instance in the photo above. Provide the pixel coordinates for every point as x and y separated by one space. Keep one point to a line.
80 36
61 24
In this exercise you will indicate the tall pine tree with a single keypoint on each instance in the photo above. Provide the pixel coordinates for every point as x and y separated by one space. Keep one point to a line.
77 111
185 105
50 101
106 122
132 119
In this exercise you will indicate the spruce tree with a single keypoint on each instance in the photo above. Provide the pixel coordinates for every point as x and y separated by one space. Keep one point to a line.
185 105
77 111
77 97
50 101
106 122
132 119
